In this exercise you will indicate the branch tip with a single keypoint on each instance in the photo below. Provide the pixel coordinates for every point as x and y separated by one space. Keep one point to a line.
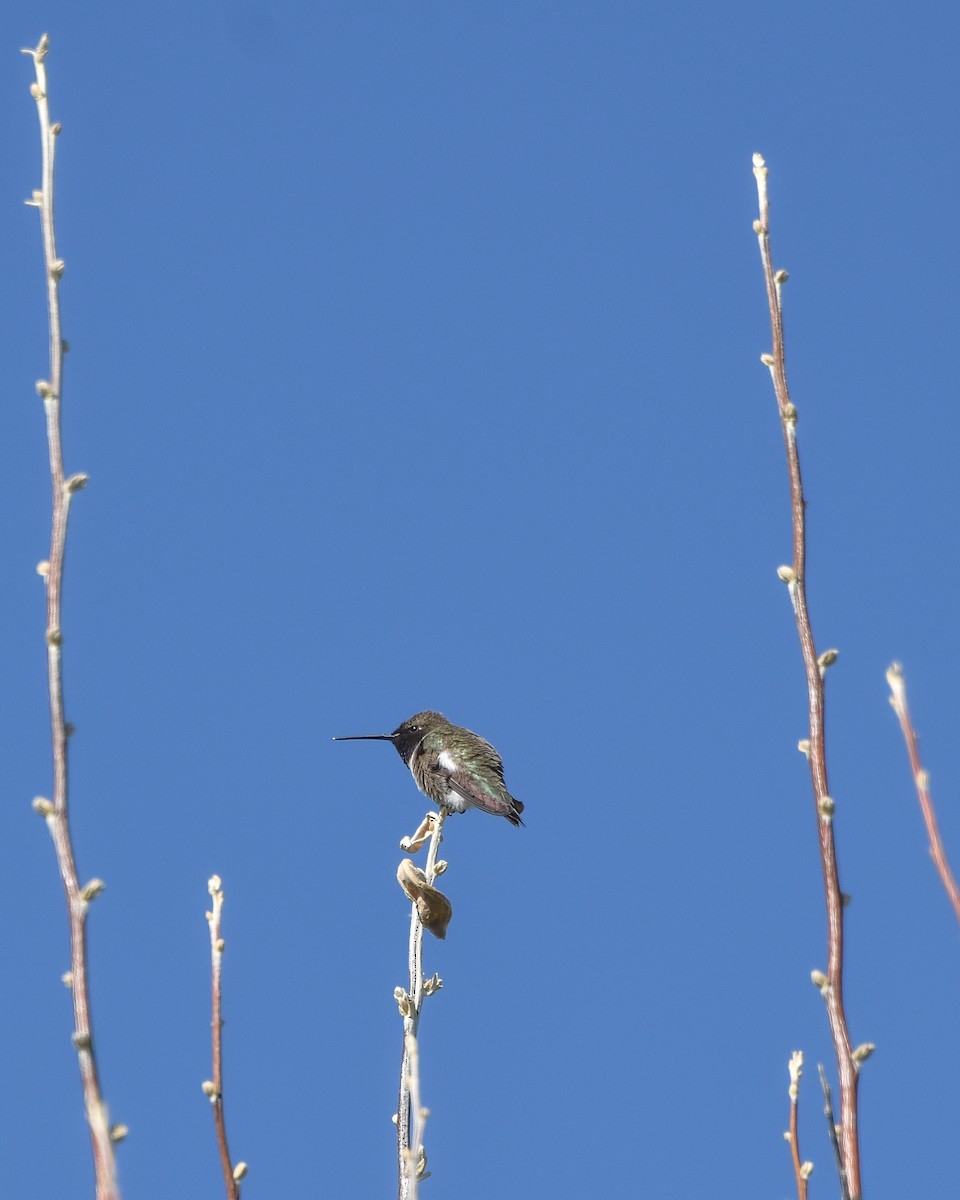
921 779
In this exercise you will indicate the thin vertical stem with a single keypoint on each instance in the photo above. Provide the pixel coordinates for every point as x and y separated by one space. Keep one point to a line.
213 1088
898 700
801 1170
832 1133
815 668
408 1155
56 813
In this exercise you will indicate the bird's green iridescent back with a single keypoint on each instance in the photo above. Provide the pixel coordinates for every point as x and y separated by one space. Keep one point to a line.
458 768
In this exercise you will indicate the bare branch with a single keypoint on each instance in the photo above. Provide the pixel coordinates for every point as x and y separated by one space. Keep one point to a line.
56 813
213 1088
801 1170
898 701
833 1134
815 666
411 1156
416 1156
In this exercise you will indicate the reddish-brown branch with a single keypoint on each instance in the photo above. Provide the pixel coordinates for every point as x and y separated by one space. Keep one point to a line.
898 700
801 1170
56 812
814 666
213 1088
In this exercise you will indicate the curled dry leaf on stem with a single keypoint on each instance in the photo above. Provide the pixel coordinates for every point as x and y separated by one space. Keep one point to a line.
434 908
424 832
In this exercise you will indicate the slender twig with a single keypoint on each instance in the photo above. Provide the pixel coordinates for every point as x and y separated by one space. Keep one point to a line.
410 1154
56 813
213 1088
815 667
801 1170
416 1156
832 1133
898 700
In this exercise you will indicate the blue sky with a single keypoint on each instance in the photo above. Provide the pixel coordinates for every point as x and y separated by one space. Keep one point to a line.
415 363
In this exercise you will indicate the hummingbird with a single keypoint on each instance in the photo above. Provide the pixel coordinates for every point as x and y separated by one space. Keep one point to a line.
453 766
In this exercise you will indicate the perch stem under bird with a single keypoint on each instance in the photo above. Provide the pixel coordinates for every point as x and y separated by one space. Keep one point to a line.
453 766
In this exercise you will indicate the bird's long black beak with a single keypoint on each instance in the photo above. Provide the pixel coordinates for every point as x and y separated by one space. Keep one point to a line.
366 737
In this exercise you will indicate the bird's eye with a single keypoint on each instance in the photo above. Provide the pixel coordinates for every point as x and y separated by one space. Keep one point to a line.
414 728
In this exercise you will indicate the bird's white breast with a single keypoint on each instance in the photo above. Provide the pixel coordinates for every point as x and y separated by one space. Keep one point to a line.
447 762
